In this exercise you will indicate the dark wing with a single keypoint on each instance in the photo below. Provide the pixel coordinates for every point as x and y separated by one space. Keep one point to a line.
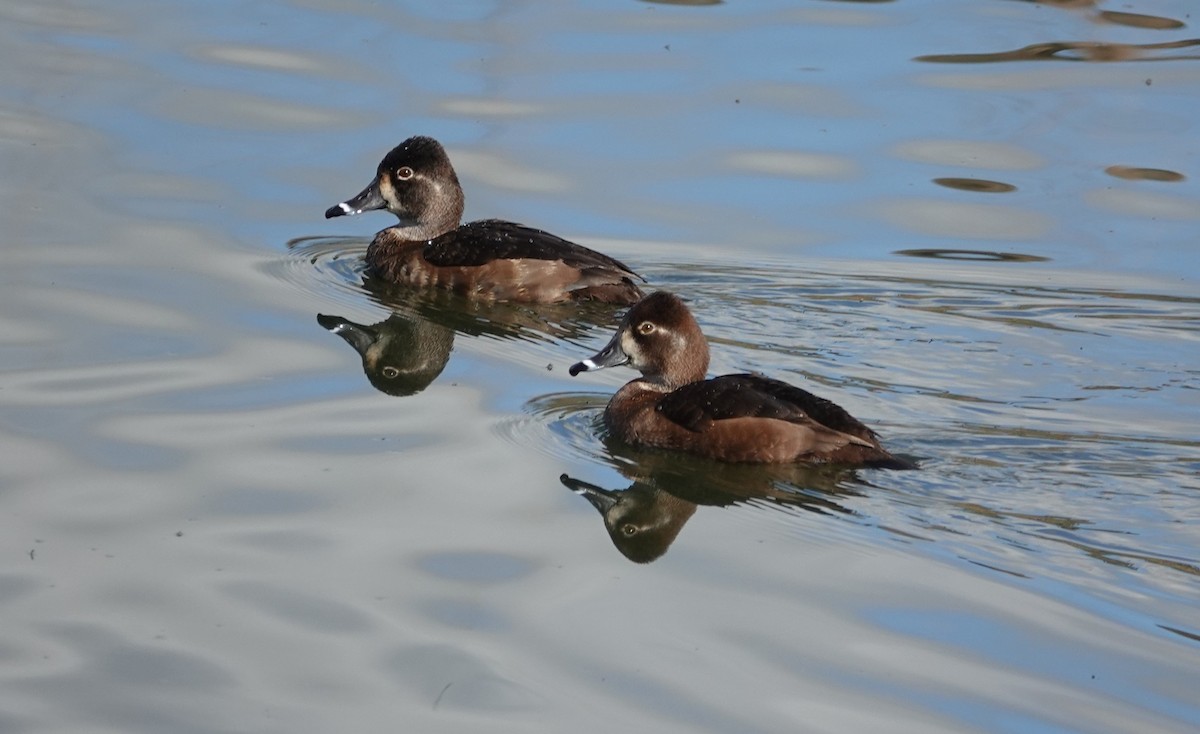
479 243
697 405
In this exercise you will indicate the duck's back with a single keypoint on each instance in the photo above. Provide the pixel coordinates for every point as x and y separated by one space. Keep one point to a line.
505 260
752 418
480 242
750 395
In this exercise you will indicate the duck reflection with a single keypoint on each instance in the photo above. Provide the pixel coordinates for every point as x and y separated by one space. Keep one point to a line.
403 354
644 519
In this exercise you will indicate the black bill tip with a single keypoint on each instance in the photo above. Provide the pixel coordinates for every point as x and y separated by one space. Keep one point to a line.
337 210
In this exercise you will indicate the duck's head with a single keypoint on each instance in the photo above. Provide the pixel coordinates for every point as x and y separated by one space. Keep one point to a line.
416 182
659 338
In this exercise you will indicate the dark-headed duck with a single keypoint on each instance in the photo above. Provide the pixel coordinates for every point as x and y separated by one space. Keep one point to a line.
736 418
491 258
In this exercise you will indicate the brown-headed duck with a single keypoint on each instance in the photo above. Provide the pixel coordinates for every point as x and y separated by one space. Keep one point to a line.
490 258
735 418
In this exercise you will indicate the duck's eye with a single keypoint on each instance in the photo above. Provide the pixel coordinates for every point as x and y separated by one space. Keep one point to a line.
404 173
646 327
390 372
629 529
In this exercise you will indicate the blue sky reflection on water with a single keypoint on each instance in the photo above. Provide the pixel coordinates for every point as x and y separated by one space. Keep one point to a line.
992 263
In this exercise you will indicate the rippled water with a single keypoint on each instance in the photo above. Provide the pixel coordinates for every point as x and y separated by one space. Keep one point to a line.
244 490
1014 396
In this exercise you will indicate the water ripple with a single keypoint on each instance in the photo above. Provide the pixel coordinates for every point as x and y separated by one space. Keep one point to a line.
563 425
328 267
1053 412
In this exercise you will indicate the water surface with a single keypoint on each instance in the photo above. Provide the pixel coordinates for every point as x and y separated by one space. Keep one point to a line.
971 224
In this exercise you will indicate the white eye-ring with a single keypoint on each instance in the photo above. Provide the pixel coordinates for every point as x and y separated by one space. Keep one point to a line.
646 327
404 173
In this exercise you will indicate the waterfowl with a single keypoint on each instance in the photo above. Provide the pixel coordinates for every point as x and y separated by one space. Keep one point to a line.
488 259
733 418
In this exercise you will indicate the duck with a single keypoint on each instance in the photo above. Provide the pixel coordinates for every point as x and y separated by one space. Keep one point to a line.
738 418
489 259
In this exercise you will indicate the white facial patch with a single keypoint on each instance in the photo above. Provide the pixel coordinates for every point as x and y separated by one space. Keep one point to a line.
630 346
388 192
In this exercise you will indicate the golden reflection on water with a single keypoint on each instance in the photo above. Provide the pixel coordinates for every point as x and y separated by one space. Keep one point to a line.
1133 173
1073 51
979 185
1136 20
1116 17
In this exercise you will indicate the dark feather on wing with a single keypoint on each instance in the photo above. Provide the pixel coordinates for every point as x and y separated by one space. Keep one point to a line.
479 243
695 406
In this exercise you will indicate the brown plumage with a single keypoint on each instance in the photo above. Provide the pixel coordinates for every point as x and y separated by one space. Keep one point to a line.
489 259
735 418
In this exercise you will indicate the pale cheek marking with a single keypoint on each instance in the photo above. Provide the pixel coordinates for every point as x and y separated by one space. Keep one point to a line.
387 191
630 347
